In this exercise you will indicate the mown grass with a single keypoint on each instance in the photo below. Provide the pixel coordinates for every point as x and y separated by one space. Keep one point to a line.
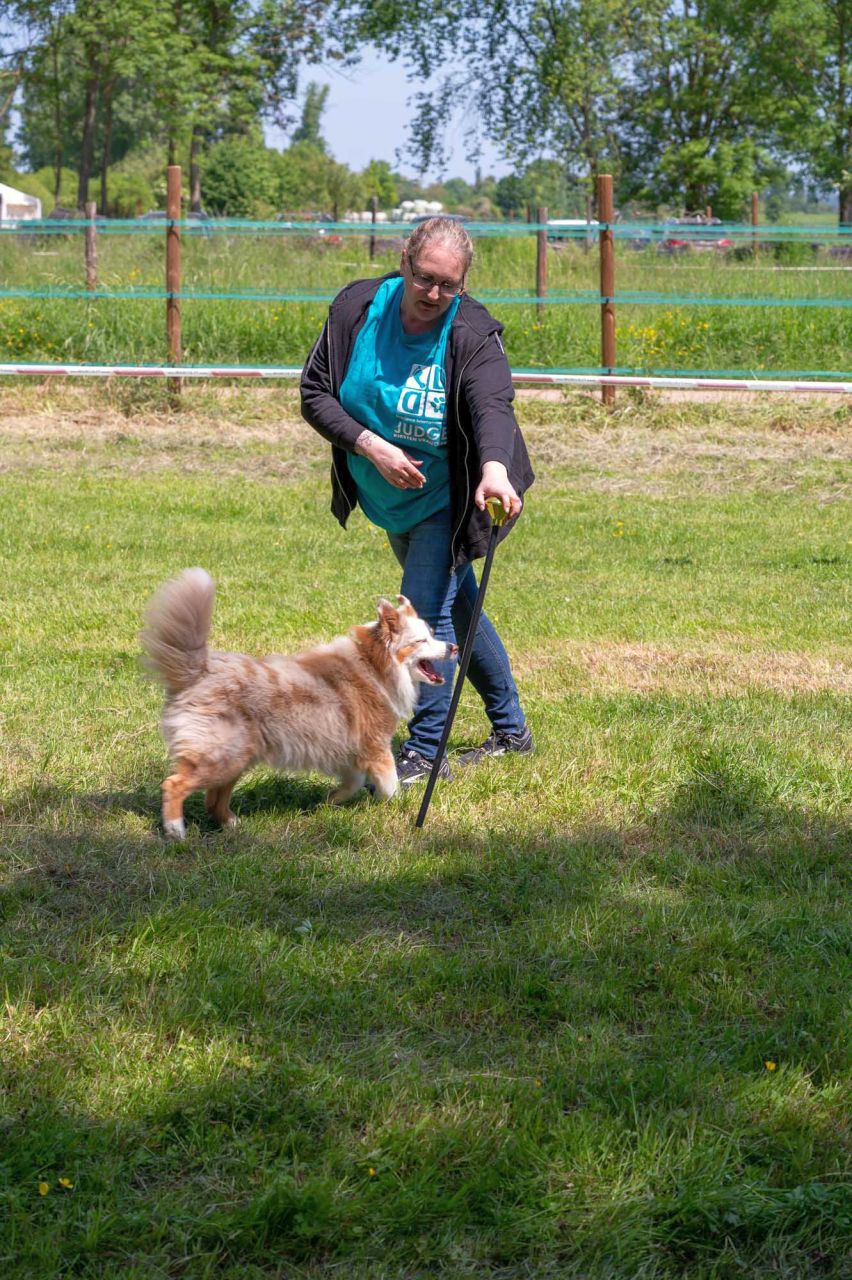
591 1022
656 336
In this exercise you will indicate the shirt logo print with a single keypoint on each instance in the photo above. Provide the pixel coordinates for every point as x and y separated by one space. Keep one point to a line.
421 405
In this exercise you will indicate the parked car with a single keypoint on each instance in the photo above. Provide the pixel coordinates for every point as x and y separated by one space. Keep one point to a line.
570 228
197 216
710 243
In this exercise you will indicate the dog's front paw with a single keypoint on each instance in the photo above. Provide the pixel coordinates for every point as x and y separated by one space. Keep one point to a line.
174 829
340 795
385 786
351 782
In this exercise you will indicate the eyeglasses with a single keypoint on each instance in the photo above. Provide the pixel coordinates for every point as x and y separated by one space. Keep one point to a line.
447 288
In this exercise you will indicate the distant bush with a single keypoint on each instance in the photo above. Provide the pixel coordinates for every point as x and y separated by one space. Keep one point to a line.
794 253
67 187
31 186
239 178
128 195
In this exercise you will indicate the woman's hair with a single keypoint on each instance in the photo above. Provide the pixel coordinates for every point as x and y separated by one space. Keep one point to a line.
444 231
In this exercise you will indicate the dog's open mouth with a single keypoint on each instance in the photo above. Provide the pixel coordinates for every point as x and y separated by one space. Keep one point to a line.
428 672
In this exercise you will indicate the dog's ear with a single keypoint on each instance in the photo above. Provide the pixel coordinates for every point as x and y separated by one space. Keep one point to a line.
406 606
389 620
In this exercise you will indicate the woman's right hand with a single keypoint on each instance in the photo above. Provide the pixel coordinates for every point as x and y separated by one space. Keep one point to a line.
394 464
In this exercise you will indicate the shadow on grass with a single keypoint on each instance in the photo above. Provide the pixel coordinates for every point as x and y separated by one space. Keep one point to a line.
272 794
516 1052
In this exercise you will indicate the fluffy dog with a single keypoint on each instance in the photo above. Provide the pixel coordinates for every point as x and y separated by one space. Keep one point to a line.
333 708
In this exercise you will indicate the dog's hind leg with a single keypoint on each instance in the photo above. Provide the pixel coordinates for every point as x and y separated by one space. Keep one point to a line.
176 788
351 780
217 803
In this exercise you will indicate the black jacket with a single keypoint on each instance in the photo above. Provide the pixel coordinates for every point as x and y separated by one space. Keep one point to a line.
480 422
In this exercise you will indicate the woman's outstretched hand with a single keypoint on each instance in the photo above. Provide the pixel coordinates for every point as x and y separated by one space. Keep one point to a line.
495 483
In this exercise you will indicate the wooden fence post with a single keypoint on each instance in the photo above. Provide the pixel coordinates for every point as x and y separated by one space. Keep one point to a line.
91 247
173 272
374 209
755 222
606 214
541 260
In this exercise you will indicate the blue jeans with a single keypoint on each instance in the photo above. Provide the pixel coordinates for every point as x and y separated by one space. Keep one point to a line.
445 599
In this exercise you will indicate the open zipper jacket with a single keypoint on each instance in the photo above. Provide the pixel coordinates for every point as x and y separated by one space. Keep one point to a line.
481 425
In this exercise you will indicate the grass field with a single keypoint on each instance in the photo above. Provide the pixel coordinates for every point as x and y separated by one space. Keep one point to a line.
592 1022
658 336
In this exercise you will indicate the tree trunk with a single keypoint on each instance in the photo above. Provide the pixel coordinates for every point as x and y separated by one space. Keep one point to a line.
845 212
88 146
58 154
844 117
107 99
195 170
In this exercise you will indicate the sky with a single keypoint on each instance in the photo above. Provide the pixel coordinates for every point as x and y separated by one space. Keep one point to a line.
367 115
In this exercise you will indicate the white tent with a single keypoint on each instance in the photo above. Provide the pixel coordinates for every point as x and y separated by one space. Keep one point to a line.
15 204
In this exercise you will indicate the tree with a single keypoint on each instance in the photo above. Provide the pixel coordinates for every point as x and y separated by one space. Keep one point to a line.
45 79
303 172
538 77
458 192
510 195
102 75
313 107
240 177
680 99
808 55
64 191
692 126
345 189
722 176
113 38
377 180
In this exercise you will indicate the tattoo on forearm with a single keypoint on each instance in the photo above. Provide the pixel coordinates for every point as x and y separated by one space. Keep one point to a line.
366 442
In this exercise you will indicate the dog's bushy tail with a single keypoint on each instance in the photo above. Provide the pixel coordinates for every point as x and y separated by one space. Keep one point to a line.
177 623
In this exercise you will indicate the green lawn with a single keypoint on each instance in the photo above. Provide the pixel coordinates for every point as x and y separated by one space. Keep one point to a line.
592 1022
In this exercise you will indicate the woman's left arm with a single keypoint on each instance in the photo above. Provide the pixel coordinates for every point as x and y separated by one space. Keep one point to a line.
489 394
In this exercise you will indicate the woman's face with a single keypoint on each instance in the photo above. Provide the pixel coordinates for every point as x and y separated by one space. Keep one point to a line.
432 278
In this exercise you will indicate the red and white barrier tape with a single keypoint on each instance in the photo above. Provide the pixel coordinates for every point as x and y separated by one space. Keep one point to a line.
525 377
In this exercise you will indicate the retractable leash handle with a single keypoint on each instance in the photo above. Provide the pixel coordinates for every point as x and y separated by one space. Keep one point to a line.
499 516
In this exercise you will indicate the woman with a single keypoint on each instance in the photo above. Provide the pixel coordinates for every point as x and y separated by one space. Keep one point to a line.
410 383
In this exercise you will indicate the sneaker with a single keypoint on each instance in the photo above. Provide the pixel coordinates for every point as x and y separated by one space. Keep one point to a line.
411 766
499 744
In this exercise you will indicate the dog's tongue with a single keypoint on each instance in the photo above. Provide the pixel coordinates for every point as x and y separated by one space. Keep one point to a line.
429 671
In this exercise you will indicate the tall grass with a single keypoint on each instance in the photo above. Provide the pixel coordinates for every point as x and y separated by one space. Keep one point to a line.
661 335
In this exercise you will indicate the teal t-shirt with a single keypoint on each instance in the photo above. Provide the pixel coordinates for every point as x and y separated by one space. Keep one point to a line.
395 385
